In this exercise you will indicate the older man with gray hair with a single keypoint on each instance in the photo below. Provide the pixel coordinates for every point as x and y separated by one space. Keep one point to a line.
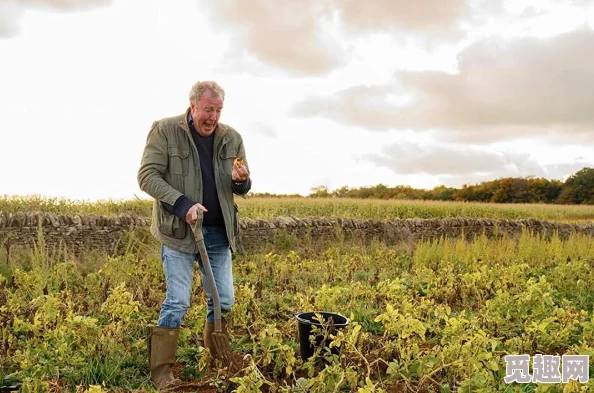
188 165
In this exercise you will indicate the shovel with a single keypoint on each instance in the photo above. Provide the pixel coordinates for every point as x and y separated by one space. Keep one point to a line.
220 340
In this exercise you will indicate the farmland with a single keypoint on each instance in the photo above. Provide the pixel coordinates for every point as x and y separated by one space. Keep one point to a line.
435 316
269 207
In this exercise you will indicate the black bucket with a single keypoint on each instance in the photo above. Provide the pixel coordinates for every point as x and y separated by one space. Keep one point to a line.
9 388
307 320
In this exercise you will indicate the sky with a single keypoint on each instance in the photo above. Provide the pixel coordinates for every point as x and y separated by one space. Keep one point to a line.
327 93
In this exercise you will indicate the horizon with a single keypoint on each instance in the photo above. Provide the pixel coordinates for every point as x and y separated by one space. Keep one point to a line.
312 191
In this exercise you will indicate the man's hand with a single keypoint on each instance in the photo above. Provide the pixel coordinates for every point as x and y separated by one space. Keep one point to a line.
192 214
240 172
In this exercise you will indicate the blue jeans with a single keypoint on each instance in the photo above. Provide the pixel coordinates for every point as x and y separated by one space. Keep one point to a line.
179 267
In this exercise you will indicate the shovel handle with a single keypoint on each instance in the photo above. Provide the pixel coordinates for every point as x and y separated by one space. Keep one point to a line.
197 229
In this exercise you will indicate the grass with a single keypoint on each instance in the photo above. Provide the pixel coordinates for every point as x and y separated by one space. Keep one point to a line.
269 207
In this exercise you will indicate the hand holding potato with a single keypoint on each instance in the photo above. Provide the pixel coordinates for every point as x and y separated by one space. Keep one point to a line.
240 172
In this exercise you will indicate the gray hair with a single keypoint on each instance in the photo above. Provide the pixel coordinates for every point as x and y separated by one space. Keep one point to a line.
202 86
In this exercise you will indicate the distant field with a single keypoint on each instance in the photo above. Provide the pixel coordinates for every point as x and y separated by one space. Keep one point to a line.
266 208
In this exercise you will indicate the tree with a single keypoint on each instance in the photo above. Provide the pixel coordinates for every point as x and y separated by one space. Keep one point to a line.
441 193
319 192
545 191
579 188
341 192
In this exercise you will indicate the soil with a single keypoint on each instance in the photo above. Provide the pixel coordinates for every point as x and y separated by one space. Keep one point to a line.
236 364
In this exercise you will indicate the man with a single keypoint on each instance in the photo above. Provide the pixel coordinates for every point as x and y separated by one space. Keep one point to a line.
188 165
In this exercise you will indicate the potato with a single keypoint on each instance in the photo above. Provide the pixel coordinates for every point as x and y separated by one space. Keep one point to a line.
238 161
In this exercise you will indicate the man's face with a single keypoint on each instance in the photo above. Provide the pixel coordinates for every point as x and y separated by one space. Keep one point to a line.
206 112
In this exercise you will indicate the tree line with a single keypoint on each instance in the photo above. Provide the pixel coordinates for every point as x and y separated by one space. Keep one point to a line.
577 189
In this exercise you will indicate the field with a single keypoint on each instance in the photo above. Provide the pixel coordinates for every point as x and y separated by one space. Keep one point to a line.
266 208
431 317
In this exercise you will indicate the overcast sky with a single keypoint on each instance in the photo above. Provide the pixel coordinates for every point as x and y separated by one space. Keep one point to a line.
324 92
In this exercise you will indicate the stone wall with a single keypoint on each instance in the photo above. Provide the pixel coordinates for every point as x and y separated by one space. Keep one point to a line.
395 231
79 234
76 234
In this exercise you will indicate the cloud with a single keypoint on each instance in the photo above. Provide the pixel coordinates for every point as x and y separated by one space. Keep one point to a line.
409 158
263 129
532 12
11 12
64 4
308 37
503 88
365 106
580 3
424 16
290 35
456 165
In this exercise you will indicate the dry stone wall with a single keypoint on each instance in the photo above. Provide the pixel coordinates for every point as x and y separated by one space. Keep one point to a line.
92 232
76 234
404 230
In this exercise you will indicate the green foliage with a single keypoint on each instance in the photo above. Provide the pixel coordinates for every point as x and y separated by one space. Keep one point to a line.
579 188
436 317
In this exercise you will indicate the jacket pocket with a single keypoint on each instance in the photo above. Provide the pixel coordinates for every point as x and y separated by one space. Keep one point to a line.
227 156
171 225
178 161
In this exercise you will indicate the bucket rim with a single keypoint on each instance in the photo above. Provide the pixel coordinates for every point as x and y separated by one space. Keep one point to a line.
297 316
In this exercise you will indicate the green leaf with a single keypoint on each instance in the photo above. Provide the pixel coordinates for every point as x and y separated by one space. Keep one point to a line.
492 364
